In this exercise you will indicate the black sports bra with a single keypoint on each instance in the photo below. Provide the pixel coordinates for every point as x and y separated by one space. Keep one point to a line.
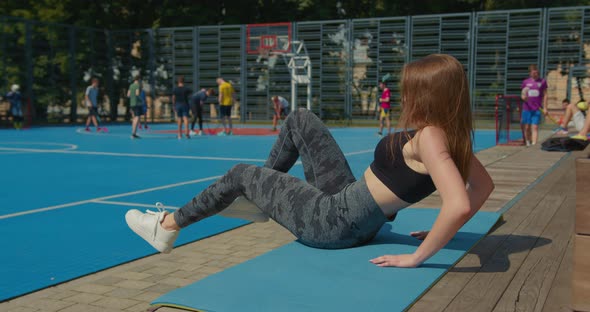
409 185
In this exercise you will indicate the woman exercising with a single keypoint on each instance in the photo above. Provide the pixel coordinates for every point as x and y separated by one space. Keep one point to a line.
331 209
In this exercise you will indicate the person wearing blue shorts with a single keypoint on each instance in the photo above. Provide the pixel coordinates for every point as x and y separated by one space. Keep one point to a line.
180 98
531 117
534 96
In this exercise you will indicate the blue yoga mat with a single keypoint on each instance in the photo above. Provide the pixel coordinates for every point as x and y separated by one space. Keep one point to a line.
68 243
299 278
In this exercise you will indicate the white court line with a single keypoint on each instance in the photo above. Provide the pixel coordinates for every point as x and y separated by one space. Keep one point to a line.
66 146
118 203
102 199
33 150
144 135
12 215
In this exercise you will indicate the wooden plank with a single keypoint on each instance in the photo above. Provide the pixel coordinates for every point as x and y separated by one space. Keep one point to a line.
559 298
583 196
441 294
488 285
581 274
530 286
512 171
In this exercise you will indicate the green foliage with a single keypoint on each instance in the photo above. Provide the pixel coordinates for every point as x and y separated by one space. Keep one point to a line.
129 14
52 65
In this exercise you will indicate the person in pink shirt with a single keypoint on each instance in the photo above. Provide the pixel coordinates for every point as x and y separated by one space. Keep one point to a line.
534 96
384 108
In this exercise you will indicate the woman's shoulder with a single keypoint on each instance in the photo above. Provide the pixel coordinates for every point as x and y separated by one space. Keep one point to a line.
431 133
430 140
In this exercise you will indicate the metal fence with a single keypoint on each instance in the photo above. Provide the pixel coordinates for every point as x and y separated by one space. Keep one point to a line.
53 63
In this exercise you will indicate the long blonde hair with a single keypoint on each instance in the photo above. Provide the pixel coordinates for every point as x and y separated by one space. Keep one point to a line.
435 92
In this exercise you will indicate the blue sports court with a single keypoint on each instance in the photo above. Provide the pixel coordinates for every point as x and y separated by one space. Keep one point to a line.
63 215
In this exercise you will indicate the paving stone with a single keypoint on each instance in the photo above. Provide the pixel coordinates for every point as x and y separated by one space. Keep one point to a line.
193 260
94 289
88 308
134 275
161 288
155 278
134 284
84 298
148 296
176 281
116 303
180 274
22 309
110 280
63 294
124 293
48 305
141 268
160 270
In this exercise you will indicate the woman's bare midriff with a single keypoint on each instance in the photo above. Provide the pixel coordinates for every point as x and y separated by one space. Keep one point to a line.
383 196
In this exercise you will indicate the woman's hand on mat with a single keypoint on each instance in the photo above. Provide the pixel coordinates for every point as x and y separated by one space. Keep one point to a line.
421 235
400 261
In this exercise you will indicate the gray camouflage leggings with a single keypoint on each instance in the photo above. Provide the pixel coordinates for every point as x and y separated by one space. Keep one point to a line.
330 210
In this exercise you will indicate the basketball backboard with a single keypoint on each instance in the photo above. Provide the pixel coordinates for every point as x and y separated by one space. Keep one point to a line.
265 38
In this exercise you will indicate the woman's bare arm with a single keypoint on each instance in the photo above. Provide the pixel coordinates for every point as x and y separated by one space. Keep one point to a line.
479 188
459 203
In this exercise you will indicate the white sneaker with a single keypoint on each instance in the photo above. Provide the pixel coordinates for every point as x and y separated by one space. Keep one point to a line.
528 143
147 226
200 132
244 209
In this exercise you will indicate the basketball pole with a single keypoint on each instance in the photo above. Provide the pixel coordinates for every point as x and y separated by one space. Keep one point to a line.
299 65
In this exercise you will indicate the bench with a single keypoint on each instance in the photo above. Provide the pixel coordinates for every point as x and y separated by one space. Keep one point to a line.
581 263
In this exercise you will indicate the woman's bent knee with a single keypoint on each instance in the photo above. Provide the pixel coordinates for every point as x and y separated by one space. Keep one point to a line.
240 168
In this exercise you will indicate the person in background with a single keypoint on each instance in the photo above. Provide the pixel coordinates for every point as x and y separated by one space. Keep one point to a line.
573 112
384 107
180 98
226 101
281 110
91 99
197 101
135 105
534 96
15 99
144 107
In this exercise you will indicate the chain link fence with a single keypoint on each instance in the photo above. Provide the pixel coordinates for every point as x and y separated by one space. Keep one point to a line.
53 63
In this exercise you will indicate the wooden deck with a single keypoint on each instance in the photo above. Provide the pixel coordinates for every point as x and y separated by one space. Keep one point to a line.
524 264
